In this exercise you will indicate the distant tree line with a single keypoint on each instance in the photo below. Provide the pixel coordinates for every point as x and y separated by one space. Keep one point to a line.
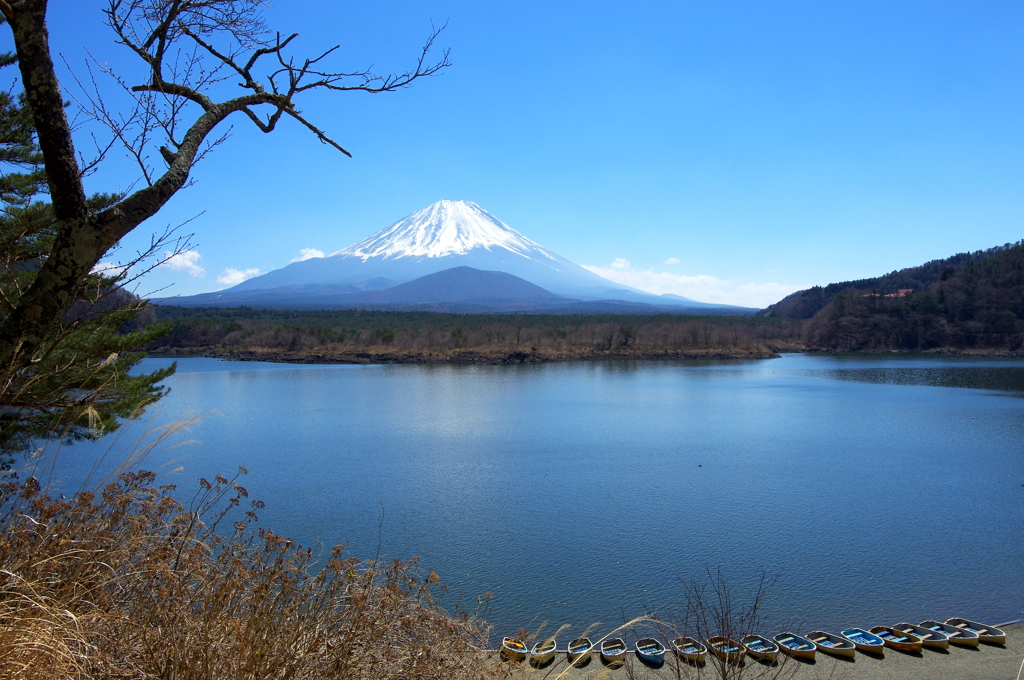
356 330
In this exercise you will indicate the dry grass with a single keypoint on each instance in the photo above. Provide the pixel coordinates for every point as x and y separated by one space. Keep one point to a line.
127 582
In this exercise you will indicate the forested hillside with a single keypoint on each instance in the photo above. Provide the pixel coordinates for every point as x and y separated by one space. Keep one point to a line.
975 306
804 304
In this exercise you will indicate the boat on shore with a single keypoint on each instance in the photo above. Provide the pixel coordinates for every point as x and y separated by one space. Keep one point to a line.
690 649
650 650
796 645
833 644
957 636
986 633
543 651
613 651
760 647
929 638
579 651
898 640
514 648
865 641
726 648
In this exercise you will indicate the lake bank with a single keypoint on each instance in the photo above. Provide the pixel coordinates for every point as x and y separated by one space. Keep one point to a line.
985 662
497 356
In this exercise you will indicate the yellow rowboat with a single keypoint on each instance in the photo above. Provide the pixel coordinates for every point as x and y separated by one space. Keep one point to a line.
690 649
613 651
796 646
898 640
726 648
989 634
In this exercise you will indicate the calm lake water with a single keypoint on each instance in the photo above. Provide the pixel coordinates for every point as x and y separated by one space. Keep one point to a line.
876 488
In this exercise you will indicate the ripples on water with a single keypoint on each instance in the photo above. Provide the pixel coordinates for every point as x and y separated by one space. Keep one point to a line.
876 488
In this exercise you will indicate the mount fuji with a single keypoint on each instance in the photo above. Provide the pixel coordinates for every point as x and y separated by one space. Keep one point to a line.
437 238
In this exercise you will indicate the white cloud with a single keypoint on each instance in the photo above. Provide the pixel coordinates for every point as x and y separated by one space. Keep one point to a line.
232 277
703 288
108 269
308 254
185 261
672 260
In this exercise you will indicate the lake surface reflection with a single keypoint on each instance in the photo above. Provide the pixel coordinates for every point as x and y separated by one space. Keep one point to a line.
877 488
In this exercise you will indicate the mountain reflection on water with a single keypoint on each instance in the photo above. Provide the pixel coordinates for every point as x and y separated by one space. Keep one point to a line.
1007 379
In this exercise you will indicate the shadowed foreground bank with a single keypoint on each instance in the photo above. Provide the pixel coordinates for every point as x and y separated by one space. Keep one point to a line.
985 662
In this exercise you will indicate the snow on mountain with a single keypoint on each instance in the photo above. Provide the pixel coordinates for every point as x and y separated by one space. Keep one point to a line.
442 236
442 229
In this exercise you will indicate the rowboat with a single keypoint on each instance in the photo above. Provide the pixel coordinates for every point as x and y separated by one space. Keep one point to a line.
543 651
726 648
796 646
865 641
898 640
650 650
957 636
760 647
513 648
929 637
613 651
690 649
833 644
989 634
579 651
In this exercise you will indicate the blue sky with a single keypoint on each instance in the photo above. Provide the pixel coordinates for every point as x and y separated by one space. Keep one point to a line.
728 151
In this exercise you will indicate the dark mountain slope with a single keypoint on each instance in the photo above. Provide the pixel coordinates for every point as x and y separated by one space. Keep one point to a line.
977 306
804 304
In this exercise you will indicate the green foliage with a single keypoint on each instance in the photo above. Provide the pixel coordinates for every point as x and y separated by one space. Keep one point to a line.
78 385
977 306
805 304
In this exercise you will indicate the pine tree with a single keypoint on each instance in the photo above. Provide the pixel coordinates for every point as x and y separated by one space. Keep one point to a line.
79 386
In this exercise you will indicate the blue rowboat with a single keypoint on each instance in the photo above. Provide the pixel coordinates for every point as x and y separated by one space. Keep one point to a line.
650 650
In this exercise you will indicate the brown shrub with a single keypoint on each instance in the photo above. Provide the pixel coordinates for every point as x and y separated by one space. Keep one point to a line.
127 582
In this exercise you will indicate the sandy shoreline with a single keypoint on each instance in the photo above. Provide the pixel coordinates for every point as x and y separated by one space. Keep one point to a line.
986 662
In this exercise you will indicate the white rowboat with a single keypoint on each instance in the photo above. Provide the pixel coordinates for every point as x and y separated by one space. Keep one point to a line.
760 647
957 636
989 634
690 649
543 651
929 638
833 644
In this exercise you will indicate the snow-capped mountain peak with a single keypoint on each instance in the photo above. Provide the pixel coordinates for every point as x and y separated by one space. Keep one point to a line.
445 228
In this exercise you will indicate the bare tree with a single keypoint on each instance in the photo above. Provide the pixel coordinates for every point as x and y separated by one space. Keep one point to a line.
187 48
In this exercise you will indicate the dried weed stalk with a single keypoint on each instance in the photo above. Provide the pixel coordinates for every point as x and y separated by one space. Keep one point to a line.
127 582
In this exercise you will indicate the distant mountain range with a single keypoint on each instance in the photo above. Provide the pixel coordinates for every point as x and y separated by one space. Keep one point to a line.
450 256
